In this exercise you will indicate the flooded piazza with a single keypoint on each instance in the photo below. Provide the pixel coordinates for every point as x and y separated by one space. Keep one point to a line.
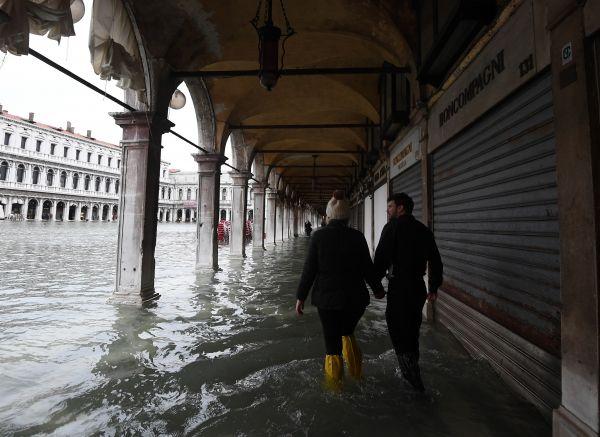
219 354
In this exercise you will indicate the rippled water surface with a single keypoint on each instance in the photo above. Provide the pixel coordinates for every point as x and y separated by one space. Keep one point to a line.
220 354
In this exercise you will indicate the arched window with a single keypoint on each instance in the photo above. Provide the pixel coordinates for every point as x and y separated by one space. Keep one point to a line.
169 194
63 179
3 170
97 187
20 173
224 194
35 176
117 186
107 184
189 194
75 181
50 177
180 194
86 182
162 193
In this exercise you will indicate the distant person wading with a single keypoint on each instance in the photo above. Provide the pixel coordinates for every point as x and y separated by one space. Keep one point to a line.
337 265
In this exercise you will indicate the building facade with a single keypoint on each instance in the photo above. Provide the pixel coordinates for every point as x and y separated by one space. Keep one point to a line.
50 173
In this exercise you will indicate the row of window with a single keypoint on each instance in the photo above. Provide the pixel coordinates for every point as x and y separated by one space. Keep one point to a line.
169 193
38 148
35 178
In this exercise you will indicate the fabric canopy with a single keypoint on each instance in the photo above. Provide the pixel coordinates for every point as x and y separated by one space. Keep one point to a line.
113 46
19 18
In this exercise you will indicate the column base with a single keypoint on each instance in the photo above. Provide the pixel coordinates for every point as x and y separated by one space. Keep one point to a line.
129 298
565 424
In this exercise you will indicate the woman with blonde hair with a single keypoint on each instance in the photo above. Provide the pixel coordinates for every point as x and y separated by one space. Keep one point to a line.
336 267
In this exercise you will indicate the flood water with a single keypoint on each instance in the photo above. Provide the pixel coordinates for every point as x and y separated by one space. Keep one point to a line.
221 354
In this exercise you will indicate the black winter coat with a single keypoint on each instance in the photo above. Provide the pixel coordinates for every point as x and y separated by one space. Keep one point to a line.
405 248
337 265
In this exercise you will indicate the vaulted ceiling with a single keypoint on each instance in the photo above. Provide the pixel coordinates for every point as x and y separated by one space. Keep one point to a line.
203 35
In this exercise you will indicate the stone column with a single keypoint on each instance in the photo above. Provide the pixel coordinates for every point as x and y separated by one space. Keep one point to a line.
576 108
109 215
78 212
296 219
270 215
286 219
209 170
39 210
140 173
258 229
279 221
238 216
8 207
54 205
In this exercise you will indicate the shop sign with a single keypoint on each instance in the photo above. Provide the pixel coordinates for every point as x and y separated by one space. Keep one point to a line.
504 64
405 153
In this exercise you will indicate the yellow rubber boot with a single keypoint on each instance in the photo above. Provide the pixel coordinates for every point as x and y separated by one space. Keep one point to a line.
334 372
352 355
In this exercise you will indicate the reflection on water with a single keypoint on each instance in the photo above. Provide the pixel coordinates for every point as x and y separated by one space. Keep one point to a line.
220 354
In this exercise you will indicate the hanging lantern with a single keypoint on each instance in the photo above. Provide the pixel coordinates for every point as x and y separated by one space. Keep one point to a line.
177 100
77 10
268 44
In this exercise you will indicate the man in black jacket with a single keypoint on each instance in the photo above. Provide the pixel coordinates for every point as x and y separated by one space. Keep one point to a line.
405 249
336 267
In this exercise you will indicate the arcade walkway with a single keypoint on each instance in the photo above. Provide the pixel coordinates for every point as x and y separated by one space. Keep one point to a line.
228 358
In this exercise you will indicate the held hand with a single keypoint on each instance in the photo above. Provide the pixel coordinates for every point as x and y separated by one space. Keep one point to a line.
379 294
299 307
431 297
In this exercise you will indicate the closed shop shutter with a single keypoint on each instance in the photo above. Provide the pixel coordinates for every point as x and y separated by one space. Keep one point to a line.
496 216
409 182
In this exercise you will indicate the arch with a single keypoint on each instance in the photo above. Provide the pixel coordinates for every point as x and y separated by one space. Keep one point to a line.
32 206
224 194
46 210
84 213
35 175
3 170
97 184
161 215
63 179
107 184
168 216
180 194
189 194
117 184
86 183
50 177
60 211
162 193
188 215
115 212
75 180
20 173
169 194
95 213
223 215
105 211
179 215
250 215
72 212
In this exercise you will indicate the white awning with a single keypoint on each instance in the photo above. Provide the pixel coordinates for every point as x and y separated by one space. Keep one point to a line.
113 46
39 17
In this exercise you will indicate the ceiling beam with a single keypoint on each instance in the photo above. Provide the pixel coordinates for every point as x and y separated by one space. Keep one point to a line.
302 126
317 166
294 72
313 152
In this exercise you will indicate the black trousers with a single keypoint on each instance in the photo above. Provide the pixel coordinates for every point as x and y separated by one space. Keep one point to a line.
404 316
336 324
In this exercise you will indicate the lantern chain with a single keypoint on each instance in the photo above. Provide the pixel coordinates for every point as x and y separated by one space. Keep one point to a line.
256 18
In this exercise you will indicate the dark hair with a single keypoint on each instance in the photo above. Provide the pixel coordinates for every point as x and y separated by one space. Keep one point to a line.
403 199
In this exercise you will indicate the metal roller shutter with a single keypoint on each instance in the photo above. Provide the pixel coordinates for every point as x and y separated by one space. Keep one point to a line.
409 182
496 216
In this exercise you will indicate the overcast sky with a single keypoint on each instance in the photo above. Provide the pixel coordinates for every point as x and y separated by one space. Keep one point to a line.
28 85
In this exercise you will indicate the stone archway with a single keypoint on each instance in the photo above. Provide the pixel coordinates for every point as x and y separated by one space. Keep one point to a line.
72 212
179 215
161 215
84 212
105 211
95 213
46 210
115 213
32 206
188 215
168 216
60 211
